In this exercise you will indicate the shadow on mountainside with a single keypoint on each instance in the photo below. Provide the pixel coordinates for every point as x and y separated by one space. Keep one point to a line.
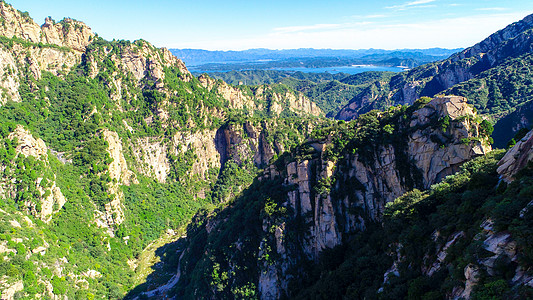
162 275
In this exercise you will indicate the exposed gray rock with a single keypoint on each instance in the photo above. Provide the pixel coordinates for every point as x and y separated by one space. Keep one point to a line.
380 182
516 158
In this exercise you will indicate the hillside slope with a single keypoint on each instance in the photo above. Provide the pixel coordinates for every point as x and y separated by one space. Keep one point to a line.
329 221
492 74
106 146
315 199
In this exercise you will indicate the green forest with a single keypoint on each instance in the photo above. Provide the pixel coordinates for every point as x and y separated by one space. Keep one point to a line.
123 175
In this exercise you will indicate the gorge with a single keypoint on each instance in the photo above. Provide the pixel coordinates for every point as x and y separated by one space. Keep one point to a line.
125 176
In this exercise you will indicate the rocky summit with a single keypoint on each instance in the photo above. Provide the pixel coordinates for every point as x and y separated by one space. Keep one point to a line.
125 176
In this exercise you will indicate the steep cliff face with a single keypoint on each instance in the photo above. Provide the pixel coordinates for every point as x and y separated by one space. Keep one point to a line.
264 97
495 40
236 97
428 80
29 173
141 80
112 214
59 47
113 143
332 187
52 47
39 59
500 248
377 182
67 33
517 158
140 59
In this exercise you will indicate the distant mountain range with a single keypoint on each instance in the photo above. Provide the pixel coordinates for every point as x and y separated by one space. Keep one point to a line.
204 60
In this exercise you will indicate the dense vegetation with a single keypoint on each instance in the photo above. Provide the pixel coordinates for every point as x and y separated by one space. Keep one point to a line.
416 225
59 112
78 251
72 112
458 205
235 244
496 80
257 77
330 92
500 89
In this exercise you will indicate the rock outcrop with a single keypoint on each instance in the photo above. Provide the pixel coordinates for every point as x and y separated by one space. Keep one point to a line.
498 245
52 47
67 33
113 214
236 97
380 179
151 155
39 59
28 145
516 158
204 145
9 291
330 199
263 98
9 74
51 198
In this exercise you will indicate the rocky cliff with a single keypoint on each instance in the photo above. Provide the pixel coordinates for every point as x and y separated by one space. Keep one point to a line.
32 154
52 47
136 78
358 183
499 245
67 33
329 188
108 146
516 159
263 98
105 146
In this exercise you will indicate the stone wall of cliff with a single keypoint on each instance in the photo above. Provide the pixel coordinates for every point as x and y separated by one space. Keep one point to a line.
378 181
330 188
132 74
263 98
31 155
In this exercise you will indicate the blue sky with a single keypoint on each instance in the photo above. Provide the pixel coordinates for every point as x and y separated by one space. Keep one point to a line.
276 24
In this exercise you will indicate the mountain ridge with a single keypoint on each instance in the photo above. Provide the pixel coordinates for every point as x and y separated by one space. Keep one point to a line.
109 151
469 66
107 145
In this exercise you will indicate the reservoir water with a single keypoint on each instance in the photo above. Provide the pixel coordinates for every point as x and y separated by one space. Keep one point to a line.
333 70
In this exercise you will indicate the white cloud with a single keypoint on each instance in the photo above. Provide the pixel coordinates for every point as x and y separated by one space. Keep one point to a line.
417 3
374 16
446 33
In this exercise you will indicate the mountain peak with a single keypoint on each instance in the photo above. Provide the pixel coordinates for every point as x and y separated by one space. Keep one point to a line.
67 33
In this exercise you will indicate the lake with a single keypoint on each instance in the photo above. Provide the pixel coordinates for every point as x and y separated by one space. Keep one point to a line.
333 70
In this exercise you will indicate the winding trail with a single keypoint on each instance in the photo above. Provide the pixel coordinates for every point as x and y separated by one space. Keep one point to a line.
160 291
